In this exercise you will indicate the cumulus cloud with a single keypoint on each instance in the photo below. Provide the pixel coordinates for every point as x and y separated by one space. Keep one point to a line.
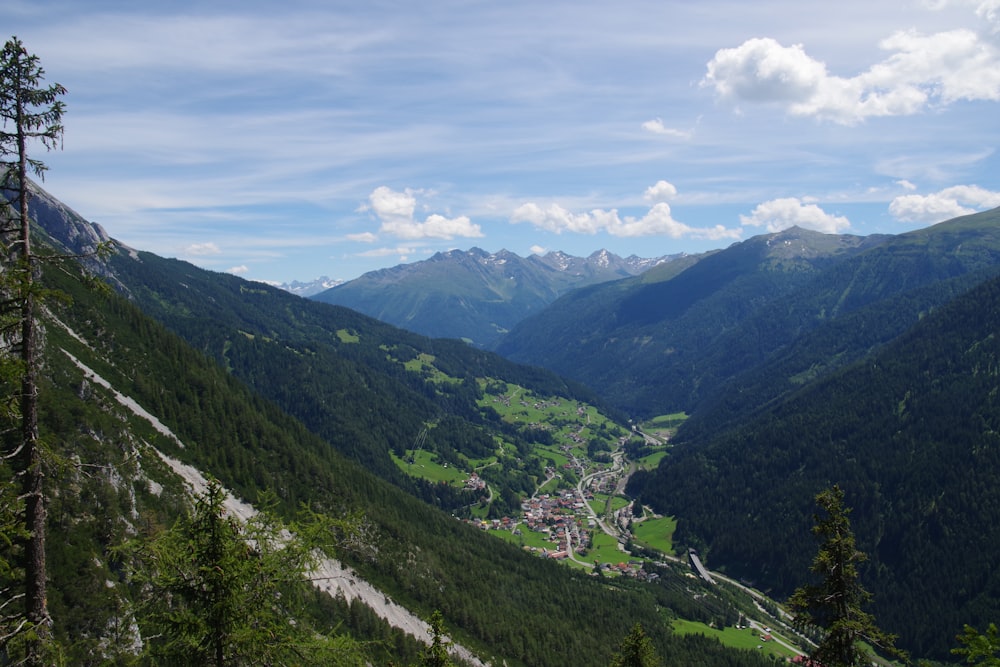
658 221
656 126
920 71
202 249
238 270
944 204
537 250
661 191
396 211
779 214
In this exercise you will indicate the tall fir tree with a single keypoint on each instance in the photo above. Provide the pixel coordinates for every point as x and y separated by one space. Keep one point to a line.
222 592
30 112
636 650
834 605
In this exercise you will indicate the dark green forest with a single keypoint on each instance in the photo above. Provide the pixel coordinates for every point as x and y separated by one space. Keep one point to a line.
669 341
912 434
494 597
888 396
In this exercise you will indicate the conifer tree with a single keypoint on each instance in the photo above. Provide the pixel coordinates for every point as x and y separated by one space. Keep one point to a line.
436 654
834 605
29 113
221 591
980 648
636 650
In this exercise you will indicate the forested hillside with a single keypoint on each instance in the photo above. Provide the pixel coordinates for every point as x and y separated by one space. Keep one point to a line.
496 599
911 433
675 344
475 295
655 343
343 374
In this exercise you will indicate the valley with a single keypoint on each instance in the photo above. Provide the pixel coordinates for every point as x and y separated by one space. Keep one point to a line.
479 474
576 510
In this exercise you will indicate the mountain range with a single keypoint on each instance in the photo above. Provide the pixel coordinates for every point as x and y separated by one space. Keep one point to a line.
308 287
800 359
475 295
181 368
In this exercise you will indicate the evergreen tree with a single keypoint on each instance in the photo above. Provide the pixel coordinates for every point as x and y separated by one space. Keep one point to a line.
221 592
980 648
636 650
436 655
834 605
29 112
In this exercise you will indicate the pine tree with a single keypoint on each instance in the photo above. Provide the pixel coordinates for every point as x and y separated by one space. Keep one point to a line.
29 112
835 604
436 655
636 650
980 648
221 592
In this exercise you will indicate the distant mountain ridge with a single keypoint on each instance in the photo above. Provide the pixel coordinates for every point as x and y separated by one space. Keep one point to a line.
476 295
668 321
803 359
307 288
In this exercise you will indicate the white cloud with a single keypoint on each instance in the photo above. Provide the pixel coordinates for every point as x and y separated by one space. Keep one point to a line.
396 211
363 237
238 270
662 191
921 71
537 250
202 249
779 214
658 221
943 205
402 251
656 126
989 11
905 184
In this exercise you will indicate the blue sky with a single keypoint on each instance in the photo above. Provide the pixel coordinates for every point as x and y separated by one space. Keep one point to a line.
290 140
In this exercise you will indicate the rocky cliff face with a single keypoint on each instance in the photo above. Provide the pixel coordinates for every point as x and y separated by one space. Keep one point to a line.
64 225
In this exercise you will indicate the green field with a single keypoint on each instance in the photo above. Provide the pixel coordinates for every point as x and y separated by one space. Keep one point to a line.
346 336
424 363
527 538
736 638
424 465
604 549
665 421
650 462
656 533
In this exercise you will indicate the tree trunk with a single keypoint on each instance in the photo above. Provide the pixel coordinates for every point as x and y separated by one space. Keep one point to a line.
36 597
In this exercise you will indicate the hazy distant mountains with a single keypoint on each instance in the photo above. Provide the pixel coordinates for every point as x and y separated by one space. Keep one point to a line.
476 295
308 288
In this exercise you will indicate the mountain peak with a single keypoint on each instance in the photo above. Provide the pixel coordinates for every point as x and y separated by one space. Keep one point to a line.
474 294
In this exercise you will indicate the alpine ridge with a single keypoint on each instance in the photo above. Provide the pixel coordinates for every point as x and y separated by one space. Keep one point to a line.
475 295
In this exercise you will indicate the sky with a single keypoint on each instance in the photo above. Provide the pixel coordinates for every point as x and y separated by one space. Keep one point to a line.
287 141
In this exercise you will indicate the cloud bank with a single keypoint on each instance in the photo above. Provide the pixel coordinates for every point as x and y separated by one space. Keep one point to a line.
944 204
779 214
920 72
658 221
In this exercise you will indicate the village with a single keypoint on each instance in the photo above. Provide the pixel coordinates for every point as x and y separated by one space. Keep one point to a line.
567 521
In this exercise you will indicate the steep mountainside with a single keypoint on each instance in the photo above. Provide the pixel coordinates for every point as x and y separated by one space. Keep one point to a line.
644 341
108 482
911 433
475 295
